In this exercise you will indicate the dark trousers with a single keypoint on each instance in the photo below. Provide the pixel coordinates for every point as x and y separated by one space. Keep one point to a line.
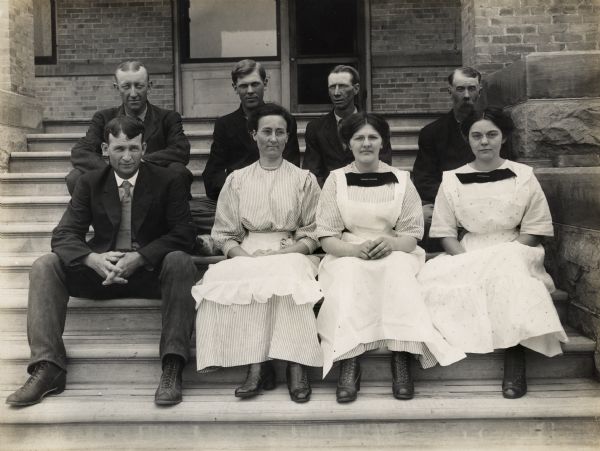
51 284
203 213
184 173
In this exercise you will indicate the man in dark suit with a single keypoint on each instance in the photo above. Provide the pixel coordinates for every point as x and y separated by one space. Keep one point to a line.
167 146
233 147
324 149
143 232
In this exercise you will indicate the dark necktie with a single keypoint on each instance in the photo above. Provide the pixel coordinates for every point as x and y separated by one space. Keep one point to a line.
485 177
124 233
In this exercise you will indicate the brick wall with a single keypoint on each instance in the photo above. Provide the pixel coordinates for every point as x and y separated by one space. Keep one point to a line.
16 47
504 30
92 39
414 46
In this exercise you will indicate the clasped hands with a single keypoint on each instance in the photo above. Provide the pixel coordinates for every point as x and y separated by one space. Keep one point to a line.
374 249
114 266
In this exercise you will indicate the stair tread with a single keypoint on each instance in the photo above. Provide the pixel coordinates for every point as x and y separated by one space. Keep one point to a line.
123 344
434 400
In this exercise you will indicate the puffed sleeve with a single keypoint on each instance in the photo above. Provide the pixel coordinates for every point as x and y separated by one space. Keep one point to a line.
228 231
410 222
444 223
329 218
306 232
537 219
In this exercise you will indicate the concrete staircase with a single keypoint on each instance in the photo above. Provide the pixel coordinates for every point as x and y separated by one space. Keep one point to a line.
114 366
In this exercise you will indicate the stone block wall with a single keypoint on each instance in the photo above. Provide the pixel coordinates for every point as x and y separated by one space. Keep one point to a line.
497 33
414 46
92 39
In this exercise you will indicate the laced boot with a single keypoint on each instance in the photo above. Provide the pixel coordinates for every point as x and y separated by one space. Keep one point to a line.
46 379
297 382
403 386
168 392
514 384
260 375
348 381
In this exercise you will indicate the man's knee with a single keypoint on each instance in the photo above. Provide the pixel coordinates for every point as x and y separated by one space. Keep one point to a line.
72 178
43 264
178 263
180 169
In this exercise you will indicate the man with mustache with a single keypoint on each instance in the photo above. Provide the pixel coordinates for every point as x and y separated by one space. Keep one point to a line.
324 149
442 146
233 147
166 144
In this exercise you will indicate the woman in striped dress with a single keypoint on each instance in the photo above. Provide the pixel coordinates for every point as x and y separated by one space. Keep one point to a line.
369 219
257 305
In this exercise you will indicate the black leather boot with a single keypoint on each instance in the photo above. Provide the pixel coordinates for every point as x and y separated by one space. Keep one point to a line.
514 384
46 379
297 382
348 381
168 392
403 386
260 375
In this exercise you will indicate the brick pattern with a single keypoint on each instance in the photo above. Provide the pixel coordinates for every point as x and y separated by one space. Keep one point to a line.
413 89
412 26
106 32
505 30
80 97
16 47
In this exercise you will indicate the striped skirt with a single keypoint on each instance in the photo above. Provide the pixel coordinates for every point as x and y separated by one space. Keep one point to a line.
241 334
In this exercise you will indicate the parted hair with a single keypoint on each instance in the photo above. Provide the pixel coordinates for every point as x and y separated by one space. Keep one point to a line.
340 68
501 120
246 67
350 125
131 66
467 72
269 109
129 126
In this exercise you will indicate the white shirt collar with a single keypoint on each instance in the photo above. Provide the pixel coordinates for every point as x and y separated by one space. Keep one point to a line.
131 179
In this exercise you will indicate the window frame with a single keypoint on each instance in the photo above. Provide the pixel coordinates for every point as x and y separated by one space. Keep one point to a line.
49 59
184 38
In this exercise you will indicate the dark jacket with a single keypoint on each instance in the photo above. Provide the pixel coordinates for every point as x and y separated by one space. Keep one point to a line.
165 141
325 151
160 216
234 148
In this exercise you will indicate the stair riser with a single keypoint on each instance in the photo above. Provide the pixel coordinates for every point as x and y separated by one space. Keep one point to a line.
473 434
196 142
29 212
374 368
59 188
43 165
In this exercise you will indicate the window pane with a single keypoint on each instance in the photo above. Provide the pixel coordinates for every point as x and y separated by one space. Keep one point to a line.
325 27
233 28
42 28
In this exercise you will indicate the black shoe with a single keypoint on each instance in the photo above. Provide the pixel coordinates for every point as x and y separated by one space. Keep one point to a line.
168 392
403 386
46 379
348 381
297 382
260 375
514 384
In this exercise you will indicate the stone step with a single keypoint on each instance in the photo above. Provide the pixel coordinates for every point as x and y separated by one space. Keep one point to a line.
53 184
199 139
59 161
130 357
130 314
555 414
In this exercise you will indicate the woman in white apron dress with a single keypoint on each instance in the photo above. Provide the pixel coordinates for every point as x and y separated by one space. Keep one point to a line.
257 305
491 291
369 219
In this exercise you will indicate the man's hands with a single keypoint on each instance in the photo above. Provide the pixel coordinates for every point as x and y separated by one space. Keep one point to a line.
114 267
375 249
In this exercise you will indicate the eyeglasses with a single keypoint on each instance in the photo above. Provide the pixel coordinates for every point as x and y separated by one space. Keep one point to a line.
267 133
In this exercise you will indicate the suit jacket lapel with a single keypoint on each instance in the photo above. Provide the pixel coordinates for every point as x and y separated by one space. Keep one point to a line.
142 199
332 132
150 123
111 201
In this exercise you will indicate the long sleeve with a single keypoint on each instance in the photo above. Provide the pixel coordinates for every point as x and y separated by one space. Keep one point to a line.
329 218
313 158
410 222
443 223
427 172
86 154
228 231
215 172
306 232
177 149
537 219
